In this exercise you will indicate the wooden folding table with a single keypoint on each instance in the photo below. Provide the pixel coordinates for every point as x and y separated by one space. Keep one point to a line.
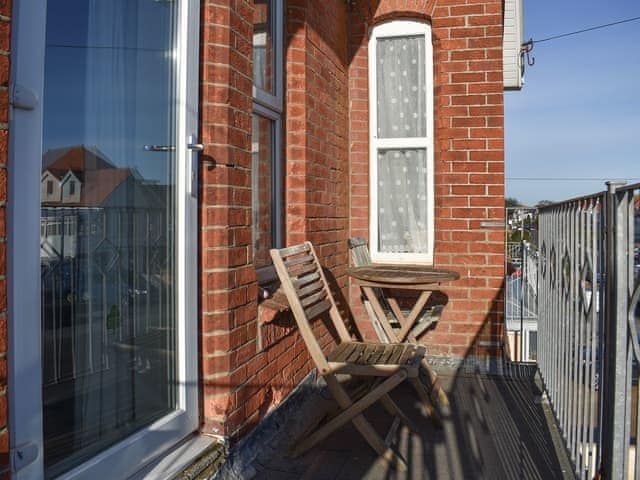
420 278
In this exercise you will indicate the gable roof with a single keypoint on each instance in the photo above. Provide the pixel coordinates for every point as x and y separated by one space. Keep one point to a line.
99 177
96 187
79 159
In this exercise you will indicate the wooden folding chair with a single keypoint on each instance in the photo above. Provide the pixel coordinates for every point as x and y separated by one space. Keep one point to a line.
389 311
305 286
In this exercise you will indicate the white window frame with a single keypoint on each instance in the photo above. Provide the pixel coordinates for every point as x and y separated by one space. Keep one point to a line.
399 28
146 445
270 106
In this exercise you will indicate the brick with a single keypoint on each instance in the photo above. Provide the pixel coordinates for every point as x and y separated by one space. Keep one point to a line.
485 20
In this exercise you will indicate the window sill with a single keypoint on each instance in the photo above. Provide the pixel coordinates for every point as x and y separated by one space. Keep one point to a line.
183 457
395 260
270 294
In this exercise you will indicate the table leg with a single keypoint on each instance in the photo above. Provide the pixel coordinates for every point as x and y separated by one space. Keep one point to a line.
380 313
436 392
438 395
408 322
395 308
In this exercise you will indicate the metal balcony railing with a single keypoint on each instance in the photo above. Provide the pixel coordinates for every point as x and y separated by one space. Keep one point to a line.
588 349
521 299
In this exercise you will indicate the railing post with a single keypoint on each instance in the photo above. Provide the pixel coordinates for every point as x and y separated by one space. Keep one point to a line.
523 276
613 406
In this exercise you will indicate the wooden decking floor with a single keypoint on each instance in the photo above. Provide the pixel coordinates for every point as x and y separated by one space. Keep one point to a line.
499 428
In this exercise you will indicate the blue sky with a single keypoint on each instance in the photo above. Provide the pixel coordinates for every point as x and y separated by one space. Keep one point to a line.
578 115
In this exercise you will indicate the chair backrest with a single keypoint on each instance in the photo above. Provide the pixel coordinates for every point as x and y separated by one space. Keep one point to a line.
361 257
359 252
305 286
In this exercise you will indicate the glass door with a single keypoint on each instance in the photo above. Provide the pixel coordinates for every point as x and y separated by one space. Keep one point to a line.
116 229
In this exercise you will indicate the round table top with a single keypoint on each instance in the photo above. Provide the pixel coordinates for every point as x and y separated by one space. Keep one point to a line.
402 274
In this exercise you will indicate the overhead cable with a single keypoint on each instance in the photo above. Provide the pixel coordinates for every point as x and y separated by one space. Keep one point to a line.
589 29
568 179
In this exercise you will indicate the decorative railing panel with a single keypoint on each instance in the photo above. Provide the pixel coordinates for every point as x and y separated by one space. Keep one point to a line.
569 322
521 298
588 350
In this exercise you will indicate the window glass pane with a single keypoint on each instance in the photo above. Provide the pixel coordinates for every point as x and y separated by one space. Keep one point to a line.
402 201
262 188
401 87
263 63
108 252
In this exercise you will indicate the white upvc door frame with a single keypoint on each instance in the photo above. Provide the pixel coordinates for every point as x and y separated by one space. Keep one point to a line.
25 156
399 28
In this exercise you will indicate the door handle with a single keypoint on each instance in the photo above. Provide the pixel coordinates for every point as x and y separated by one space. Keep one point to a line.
159 148
195 147
193 168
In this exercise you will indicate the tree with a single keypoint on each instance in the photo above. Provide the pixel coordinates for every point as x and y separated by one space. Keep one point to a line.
516 236
511 202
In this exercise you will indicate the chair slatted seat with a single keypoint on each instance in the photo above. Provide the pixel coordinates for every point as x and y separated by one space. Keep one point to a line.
375 354
387 364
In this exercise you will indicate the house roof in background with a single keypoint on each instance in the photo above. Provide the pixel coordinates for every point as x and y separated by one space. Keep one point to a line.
99 176
79 159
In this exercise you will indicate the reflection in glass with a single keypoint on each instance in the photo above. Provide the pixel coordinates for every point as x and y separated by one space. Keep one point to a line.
262 188
107 230
263 46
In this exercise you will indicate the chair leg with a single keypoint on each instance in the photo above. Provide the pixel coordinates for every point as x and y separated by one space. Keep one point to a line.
352 412
429 411
377 443
436 392
391 407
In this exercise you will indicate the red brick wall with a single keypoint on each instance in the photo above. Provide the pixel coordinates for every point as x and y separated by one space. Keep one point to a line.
241 381
5 37
317 162
317 167
468 159
228 289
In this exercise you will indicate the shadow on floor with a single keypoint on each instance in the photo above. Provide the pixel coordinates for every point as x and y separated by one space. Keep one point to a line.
497 429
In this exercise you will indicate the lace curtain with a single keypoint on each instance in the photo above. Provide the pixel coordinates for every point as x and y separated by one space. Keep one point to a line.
400 78
402 201
402 173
